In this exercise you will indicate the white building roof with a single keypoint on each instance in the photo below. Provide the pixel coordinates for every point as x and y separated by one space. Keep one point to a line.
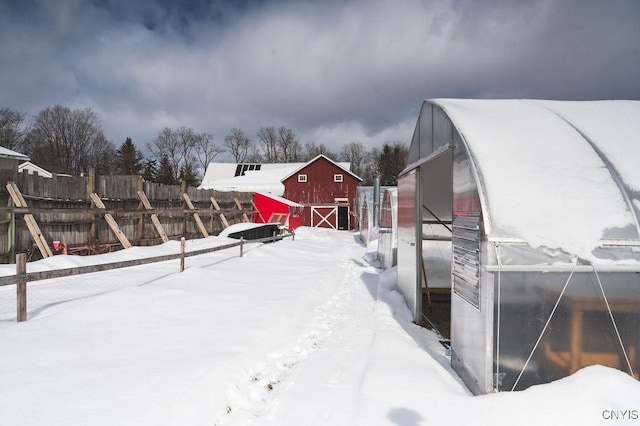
7 153
30 168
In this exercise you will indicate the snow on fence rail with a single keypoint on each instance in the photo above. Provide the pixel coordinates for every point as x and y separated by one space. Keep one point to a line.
21 278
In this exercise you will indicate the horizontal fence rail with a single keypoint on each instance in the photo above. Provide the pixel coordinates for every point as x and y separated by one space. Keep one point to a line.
21 278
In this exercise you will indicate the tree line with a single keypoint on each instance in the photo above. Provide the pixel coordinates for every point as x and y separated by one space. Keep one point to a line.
72 141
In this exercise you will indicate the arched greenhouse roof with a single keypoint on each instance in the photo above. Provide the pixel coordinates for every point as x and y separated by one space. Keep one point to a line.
556 174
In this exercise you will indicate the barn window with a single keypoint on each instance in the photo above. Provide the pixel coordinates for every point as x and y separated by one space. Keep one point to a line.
302 178
337 178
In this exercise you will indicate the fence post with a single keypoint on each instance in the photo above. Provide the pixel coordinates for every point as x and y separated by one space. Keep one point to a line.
21 287
182 243
241 246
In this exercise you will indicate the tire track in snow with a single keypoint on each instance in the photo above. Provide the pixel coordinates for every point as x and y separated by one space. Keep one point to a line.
254 391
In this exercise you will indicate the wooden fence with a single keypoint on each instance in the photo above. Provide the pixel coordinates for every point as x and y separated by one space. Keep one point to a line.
21 278
64 211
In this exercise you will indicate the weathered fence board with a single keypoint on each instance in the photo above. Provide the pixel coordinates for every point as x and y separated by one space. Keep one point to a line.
63 211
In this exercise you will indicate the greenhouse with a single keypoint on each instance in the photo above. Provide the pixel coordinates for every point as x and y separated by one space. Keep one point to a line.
529 210
388 231
364 213
367 211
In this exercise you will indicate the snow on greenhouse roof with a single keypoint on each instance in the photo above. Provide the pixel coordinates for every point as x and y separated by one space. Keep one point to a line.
542 175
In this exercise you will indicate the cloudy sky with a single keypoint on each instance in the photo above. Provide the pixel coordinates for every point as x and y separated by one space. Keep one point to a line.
335 71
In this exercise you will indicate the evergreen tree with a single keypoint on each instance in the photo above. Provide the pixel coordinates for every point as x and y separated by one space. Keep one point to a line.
390 161
189 175
150 170
128 159
165 172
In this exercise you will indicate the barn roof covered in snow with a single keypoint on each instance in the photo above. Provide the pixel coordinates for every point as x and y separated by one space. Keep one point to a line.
252 177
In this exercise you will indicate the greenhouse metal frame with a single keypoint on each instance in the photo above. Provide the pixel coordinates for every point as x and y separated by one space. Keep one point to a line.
532 207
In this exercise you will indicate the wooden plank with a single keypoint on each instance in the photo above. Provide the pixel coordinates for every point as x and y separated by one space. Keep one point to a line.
32 225
225 223
196 217
111 221
140 230
244 215
257 211
154 217
12 192
21 290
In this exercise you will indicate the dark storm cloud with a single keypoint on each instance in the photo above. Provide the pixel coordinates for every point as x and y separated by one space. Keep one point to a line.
334 71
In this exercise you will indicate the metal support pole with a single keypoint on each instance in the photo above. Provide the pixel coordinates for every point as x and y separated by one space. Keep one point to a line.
241 246
376 202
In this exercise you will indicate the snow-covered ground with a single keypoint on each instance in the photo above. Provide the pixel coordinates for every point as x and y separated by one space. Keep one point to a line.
304 332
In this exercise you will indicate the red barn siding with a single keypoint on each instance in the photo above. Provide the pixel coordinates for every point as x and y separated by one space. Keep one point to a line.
267 206
320 188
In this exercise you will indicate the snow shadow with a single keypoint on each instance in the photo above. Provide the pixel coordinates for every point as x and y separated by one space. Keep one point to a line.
404 417
425 339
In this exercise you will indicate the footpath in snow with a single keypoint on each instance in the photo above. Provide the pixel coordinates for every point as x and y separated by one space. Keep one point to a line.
304 332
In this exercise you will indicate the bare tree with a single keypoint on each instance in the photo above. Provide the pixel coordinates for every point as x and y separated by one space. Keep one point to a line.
101 155
269 141
72 139
254 155
167 144
187 140
205 149
357 154
13 128
238 145
288 145
312 150
182 148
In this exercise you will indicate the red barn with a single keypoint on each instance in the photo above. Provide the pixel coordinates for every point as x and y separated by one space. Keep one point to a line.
326 190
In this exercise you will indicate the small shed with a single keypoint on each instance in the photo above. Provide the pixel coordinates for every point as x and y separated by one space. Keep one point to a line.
388 231
538 205
326 189
275 209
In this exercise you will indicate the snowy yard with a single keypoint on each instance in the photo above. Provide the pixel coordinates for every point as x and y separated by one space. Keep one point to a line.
303 332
